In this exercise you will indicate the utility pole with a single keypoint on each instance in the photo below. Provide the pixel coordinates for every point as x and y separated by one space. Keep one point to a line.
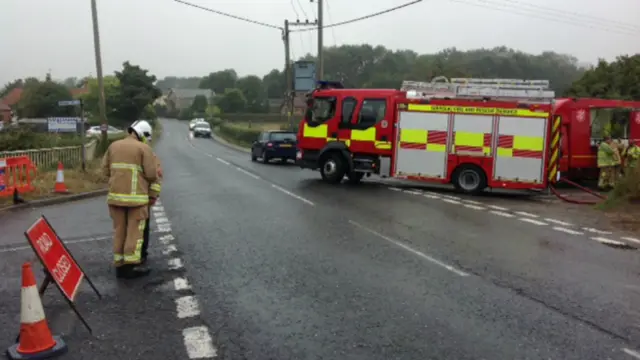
290 95
320 73
96 45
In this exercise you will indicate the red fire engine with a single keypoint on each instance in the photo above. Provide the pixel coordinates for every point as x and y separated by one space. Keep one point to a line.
473 133
584 124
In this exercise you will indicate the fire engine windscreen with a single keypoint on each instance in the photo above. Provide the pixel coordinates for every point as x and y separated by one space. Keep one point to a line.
614 122
322 109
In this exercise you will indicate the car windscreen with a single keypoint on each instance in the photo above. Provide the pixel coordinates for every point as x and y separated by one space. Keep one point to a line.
283 136
204 126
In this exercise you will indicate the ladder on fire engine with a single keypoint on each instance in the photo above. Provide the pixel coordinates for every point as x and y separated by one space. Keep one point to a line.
475 88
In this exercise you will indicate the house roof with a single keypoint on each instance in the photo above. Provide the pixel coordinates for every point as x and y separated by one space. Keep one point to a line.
79 91
4 107
12 97
191 93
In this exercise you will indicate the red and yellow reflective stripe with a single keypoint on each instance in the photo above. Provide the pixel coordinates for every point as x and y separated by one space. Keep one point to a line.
555 149
471 142
419 139
520 146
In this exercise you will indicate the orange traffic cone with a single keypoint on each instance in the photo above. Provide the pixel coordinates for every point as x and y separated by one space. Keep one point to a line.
60 187
36 341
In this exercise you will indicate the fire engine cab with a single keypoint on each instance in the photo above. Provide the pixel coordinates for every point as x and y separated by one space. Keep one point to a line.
473 133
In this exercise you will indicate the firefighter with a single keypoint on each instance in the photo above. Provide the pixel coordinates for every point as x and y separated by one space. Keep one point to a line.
606 163
633 155
154 194
618 150
131 167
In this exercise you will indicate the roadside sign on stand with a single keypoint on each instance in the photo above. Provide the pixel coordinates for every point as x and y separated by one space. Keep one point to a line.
59 265
69 103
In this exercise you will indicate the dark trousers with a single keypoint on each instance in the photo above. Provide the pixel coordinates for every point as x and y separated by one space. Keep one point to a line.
145 236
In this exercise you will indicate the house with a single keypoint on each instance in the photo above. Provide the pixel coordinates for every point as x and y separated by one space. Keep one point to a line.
183 98
299 104
13 97
5 113
77 92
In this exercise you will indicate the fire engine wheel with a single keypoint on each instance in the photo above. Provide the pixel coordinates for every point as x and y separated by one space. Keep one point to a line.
470 179
332 168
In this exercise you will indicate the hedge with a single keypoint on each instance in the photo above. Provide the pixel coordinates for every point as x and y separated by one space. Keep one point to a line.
238 134
263 118
23 137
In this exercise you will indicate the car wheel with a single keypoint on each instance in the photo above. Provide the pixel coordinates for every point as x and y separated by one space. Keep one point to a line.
265 158
332 168
253 157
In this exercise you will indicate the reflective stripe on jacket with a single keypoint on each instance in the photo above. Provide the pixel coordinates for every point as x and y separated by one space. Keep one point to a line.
633 156
156 186
130 166
605 155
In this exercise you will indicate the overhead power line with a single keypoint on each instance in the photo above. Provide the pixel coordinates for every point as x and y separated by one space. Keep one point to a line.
554 15
230 15
361 17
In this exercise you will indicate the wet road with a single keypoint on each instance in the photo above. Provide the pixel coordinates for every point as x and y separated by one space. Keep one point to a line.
287 267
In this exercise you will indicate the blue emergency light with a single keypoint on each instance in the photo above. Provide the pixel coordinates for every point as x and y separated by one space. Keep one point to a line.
326 84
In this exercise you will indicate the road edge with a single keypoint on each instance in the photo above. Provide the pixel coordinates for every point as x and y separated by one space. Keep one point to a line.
222 141
55 200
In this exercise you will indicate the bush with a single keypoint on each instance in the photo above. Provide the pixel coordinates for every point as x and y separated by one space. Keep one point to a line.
629 186
23 137
215 122
238 134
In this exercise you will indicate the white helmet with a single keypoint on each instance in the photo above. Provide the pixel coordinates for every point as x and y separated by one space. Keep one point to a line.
143 129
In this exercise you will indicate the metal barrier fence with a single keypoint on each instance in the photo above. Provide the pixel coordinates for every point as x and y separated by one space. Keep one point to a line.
71 156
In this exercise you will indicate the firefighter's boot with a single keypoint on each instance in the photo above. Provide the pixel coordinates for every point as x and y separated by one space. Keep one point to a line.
132 271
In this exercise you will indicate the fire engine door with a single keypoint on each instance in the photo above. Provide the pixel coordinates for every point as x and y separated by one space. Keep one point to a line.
343 130
635 125
366 123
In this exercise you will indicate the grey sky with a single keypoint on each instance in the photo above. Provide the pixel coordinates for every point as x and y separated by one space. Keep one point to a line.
173 39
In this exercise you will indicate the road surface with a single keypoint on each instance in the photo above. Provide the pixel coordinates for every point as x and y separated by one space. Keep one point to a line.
287 267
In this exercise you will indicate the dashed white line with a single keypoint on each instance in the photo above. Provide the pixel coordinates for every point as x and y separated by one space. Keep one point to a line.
223 161
308 202
451 201
164 228
161 220
596 231
431 193
568 231
474 207
159 214
524 213
627 238
559 222
166 239
187 306
633 353
472 202
413 192
410 249
170 249
248 173
533 221
451 197
431 196
607 241
175 264
501 213
181 284
198 342
395 189
500 208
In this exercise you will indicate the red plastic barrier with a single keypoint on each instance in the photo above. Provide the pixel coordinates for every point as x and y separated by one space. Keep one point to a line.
16 173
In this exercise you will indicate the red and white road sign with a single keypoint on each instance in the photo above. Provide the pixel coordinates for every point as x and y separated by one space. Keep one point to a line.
55 257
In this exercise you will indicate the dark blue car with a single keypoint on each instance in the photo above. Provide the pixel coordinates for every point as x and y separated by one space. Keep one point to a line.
275 144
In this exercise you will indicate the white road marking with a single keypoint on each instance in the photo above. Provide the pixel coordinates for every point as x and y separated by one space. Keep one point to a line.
500 213
431 196
198 342
596 231
627 238
452 201
223 161
170 249
533 221
607 241
308 202
395 188
524 213
410 249
472 202
568 231
413 192
157 208
630 352
159 214
474 207
175 264
164 228
78 241
431 193
563 223
165 239
500 208
161 220
187 306
181 284
248 173
451 197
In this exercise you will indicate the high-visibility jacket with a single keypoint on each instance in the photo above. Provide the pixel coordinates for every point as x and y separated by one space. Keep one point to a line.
156 186
131 168
633 156
606 155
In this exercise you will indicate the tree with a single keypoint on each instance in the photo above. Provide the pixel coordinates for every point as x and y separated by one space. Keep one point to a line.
616 80
40 100
199 104
174 82
137 91
111 94
219 81
232 101
70 82
253 91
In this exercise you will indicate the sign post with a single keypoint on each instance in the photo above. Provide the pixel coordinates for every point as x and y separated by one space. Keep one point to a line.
60 267
82 130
